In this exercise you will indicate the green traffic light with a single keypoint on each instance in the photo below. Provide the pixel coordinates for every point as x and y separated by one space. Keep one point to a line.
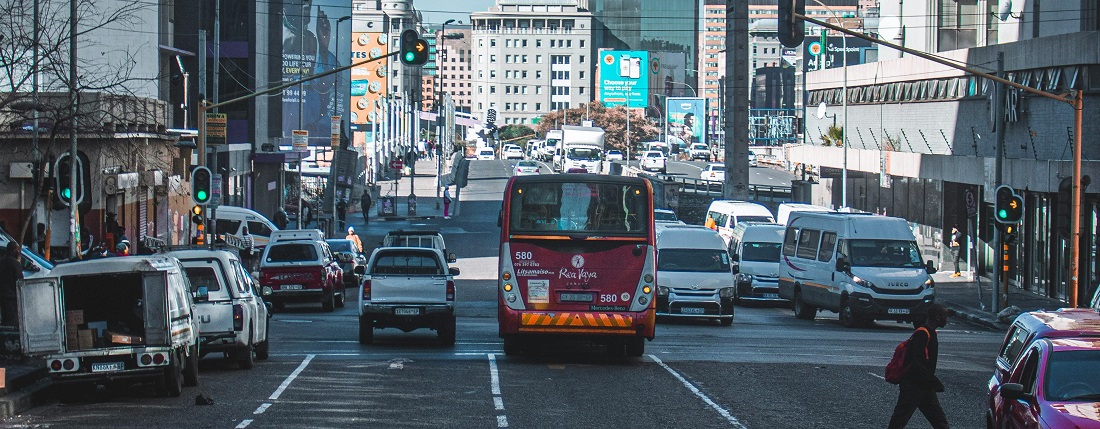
410 57
1003 214
66 193
201 195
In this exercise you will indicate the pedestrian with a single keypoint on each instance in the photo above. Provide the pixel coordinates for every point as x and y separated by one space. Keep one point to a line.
248 243
955 247
355 239
341 211
123 247
447 202
11 271
280 219
919 384
364 203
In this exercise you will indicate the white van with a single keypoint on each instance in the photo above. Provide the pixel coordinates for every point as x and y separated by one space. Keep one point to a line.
864 267
231 220
694 278
785 210
754 249
727 213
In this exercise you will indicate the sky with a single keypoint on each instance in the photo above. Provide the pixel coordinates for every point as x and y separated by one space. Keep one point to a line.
439 11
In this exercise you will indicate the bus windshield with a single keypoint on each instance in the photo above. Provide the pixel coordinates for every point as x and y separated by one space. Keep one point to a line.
574 207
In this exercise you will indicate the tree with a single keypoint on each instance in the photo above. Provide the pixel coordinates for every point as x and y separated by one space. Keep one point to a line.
612 120
834 136
517 134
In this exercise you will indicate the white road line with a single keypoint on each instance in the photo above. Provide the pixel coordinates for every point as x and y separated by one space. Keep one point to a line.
498 403
725 413
502 421
494 381
263 407
290 378
244 424
877 376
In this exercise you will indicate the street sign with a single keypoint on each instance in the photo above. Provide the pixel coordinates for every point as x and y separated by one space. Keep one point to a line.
301 140
971 204
334 131
215 189
397 164
215 128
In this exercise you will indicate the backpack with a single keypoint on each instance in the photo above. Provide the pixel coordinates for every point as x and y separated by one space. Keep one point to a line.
897 367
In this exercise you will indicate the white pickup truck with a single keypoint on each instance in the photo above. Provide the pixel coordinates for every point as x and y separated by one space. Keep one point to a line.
407 288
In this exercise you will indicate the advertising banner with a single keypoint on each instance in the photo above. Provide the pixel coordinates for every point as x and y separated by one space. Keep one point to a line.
831 52
368 81
311 45
684 120
667 78
624 79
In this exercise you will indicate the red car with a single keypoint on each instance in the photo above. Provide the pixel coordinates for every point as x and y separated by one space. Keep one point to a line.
1026 330
301 270
1056 384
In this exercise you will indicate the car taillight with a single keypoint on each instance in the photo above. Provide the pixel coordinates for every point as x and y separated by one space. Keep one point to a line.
366 290
450 290
238 317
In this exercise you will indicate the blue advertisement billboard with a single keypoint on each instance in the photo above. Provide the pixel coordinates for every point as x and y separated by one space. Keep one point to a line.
684 120
311 45
624 78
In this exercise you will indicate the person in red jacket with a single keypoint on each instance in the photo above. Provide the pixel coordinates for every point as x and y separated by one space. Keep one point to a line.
919 385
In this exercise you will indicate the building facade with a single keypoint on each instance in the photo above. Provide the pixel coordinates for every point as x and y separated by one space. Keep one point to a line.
650 25
455 67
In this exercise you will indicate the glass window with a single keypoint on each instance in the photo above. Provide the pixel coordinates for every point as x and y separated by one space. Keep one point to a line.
1015 344
1072 376
580 207
407 262
807 243
885 253
789 241
828 243
259 228
292 252
203 276
760 252
227 226
693 260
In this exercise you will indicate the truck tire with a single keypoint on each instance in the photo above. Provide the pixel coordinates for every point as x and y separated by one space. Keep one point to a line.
328 301
263 349
340 300
171 383
446 331
635 347
191 371
366 331
801 310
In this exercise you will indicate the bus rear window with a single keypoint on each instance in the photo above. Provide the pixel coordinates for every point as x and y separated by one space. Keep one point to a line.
589 208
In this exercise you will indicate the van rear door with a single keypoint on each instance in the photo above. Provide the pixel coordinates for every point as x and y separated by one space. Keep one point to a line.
156 309
40 316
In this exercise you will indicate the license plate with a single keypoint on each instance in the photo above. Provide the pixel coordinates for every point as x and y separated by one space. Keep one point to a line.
897 311
406 311
692 310
112 366
290 287
576 297
771 295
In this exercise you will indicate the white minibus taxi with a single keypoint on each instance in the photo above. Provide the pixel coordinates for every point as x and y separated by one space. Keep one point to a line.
723 216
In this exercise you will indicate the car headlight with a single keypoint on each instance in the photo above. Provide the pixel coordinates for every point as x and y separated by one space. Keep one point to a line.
726 292
744 278
859 281
662 291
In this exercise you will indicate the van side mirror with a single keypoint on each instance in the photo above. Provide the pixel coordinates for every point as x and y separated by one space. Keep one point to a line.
202 294
454 271
842 265
735 267
1014 392
930 267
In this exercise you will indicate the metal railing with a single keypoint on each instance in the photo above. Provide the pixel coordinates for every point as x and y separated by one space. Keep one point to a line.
763 193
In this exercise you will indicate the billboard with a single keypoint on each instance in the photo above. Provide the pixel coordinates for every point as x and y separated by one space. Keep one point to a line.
368 81
684 120
814 51
667 77
624 79
311 45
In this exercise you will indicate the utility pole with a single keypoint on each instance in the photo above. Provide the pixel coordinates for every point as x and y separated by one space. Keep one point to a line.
998 180
213 218
737 105
74 160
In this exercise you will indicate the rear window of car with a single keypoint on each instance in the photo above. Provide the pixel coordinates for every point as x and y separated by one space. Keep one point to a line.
653 155
717 168
292 252
203 276
340 246
407 263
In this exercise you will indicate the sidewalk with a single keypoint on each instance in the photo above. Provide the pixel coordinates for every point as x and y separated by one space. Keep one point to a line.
961 295
422 184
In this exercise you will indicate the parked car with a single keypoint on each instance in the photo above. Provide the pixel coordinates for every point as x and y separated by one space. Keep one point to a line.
233 319
614 155
1055 384
653 161
349 258
512 152
301 270
486 154
526 168
713 173
1027 329
407 288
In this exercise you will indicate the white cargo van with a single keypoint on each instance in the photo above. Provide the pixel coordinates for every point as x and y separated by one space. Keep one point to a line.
727 213
785 210
864 267
694 278
754 249
232 220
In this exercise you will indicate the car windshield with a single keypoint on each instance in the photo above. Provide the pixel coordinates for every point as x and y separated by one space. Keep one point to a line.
884 253
665 216
761 252
292 252
693 260
344 246
754 219
580 207
1072 376
406 262
203 276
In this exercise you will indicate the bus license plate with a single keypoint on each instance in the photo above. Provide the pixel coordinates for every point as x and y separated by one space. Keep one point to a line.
692 310
290 287
898 311
406 311
104 367
576 297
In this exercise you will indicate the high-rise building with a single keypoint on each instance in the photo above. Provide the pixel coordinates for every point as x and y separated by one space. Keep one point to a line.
376 30
649 25
455 71
530 57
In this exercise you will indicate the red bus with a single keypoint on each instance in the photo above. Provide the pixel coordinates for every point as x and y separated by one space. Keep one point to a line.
577 261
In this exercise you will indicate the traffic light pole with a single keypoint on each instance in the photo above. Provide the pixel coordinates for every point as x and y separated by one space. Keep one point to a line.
999 263
1074 98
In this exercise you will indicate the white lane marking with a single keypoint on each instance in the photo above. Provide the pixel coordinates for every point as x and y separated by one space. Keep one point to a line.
722 411
494 381
877 376
290 378
261 408
244 424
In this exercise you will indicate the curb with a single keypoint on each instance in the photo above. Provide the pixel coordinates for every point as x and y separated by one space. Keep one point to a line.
36 394
973 317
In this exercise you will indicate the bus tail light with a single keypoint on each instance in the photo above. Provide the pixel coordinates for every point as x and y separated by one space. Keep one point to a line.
366 290
450 290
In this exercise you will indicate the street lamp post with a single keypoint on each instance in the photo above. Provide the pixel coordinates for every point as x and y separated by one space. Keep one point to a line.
438 105
336 150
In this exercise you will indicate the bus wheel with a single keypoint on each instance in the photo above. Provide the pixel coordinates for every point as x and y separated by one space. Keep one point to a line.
512 346
635 347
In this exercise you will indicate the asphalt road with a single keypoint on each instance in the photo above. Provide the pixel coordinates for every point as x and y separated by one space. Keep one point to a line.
769 370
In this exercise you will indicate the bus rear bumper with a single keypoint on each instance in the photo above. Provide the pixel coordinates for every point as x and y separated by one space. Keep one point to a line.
578 323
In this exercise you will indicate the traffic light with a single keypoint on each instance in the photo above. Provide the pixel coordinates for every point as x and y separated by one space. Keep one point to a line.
491 117
196 215
1009 207
201 182
63 171
414 50
791 29
1010 235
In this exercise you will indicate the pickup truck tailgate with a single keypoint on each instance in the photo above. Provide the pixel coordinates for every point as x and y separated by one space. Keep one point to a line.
417 289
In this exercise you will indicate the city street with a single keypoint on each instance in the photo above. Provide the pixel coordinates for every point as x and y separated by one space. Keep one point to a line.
769 370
